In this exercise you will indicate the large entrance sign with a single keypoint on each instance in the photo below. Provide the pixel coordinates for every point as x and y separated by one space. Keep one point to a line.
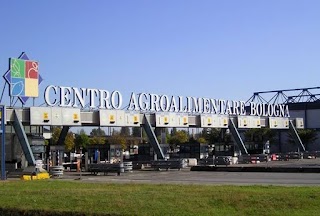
145 102
23 78
66 106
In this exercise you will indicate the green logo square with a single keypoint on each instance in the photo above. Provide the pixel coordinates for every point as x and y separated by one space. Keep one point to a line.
17 68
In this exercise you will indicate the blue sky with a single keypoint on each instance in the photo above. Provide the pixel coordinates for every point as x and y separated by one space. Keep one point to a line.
215 49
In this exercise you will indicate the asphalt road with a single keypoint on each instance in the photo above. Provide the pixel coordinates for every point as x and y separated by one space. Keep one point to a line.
192 177
185 176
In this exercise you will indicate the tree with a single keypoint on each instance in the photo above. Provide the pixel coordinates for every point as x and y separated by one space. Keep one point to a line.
227 139
307 136
173 131
125 131
82 131
167 135
118 139
95 140
82 140
46 142
144 135
159 139
97 136
212 135
55 135
162 135
178 138
97 132
182 136
136 131
202 140
260 135
69 142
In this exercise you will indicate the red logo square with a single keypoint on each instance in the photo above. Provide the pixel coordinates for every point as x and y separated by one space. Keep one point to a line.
32 69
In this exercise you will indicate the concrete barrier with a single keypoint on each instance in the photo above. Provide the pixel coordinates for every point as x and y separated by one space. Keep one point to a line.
192 162
56 171
127 166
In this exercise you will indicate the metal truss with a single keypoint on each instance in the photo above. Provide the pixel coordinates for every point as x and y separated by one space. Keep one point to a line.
286 96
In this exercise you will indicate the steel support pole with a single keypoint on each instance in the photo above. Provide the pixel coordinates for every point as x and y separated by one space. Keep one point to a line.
3 145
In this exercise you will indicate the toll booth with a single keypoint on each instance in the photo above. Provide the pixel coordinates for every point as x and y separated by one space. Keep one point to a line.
259 147
146 152
255 147
98 152
38 147
223 149
193 150
56 155
104 152
14 156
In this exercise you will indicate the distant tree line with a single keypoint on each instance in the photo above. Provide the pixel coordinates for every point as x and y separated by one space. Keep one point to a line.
174 138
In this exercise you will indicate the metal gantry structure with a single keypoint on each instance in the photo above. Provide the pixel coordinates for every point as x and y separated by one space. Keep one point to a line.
19 118
287 96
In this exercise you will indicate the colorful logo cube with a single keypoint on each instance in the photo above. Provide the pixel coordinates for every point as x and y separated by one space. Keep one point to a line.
23 78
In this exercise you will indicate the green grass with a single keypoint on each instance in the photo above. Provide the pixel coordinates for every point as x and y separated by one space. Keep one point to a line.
149 199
